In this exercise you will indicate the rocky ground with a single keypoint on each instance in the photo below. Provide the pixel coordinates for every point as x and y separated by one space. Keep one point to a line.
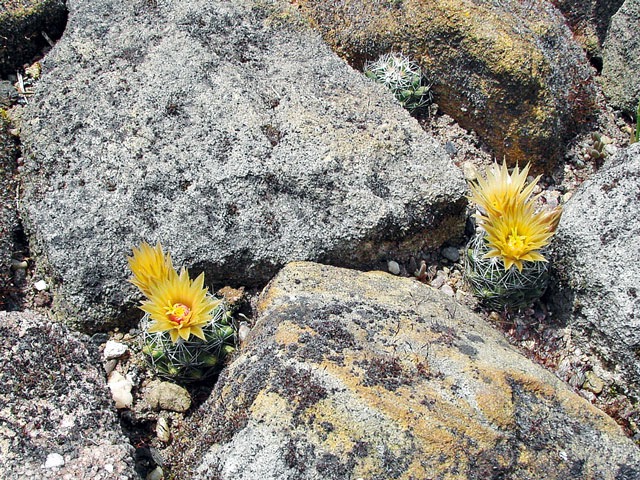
534 331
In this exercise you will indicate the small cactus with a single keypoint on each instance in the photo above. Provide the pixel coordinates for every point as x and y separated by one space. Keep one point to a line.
193 359
186 332
595 151
403 77
505 264
498 288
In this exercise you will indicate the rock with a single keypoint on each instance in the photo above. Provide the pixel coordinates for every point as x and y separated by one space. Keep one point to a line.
120 387
451 253
162 430
22 23
114 350
54 460
393 267
589 20
621 58
367 375
55 409
593 383
155 474
596 284
510 71
40 285
229 132
167 396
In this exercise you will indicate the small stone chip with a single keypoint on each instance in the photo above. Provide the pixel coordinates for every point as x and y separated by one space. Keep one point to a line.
54 460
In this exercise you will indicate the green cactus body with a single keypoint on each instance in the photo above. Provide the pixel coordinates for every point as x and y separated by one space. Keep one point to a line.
403 77
498 288
193 359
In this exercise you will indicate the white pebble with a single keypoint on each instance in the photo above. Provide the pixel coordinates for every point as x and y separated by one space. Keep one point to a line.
41 285
54 460
393 267
120 387
446 289
114 350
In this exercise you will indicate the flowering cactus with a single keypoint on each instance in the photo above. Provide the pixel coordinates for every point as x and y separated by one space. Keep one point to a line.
186 331
505 263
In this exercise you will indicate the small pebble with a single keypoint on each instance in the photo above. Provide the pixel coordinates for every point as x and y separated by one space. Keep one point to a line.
114 350
446 288
440 279
162 430
168 396
120 387
243 331
40 285
469 171
393 267
155 474
54 460
451 253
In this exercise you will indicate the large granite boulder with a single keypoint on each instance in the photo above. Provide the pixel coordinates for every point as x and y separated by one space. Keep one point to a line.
621 58
509 70
22 23
229 132
366 375
597 286
57 419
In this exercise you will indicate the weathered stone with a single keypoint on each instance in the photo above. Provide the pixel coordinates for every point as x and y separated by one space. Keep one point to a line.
589 20
54 405
367 375
509 70
167 396
621 58
229 132
120 387
597 283
22 23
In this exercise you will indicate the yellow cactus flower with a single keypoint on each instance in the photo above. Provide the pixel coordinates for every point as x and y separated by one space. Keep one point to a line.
180 306
499 190
150 266
518 234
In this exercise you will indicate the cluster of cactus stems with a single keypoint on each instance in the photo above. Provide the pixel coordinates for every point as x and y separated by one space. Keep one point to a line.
403 77
497 288
186 332
193 359
505 264
596 150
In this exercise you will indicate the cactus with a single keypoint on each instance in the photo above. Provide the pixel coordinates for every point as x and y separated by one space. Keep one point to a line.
403 77
505 263
595 151
498 288
193 359
186 332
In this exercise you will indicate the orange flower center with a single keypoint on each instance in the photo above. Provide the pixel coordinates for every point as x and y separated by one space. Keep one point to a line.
178 313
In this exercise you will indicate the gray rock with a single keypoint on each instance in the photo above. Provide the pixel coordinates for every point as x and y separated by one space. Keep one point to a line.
621 58
55 409
367 375
451 253
229 132
595 252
